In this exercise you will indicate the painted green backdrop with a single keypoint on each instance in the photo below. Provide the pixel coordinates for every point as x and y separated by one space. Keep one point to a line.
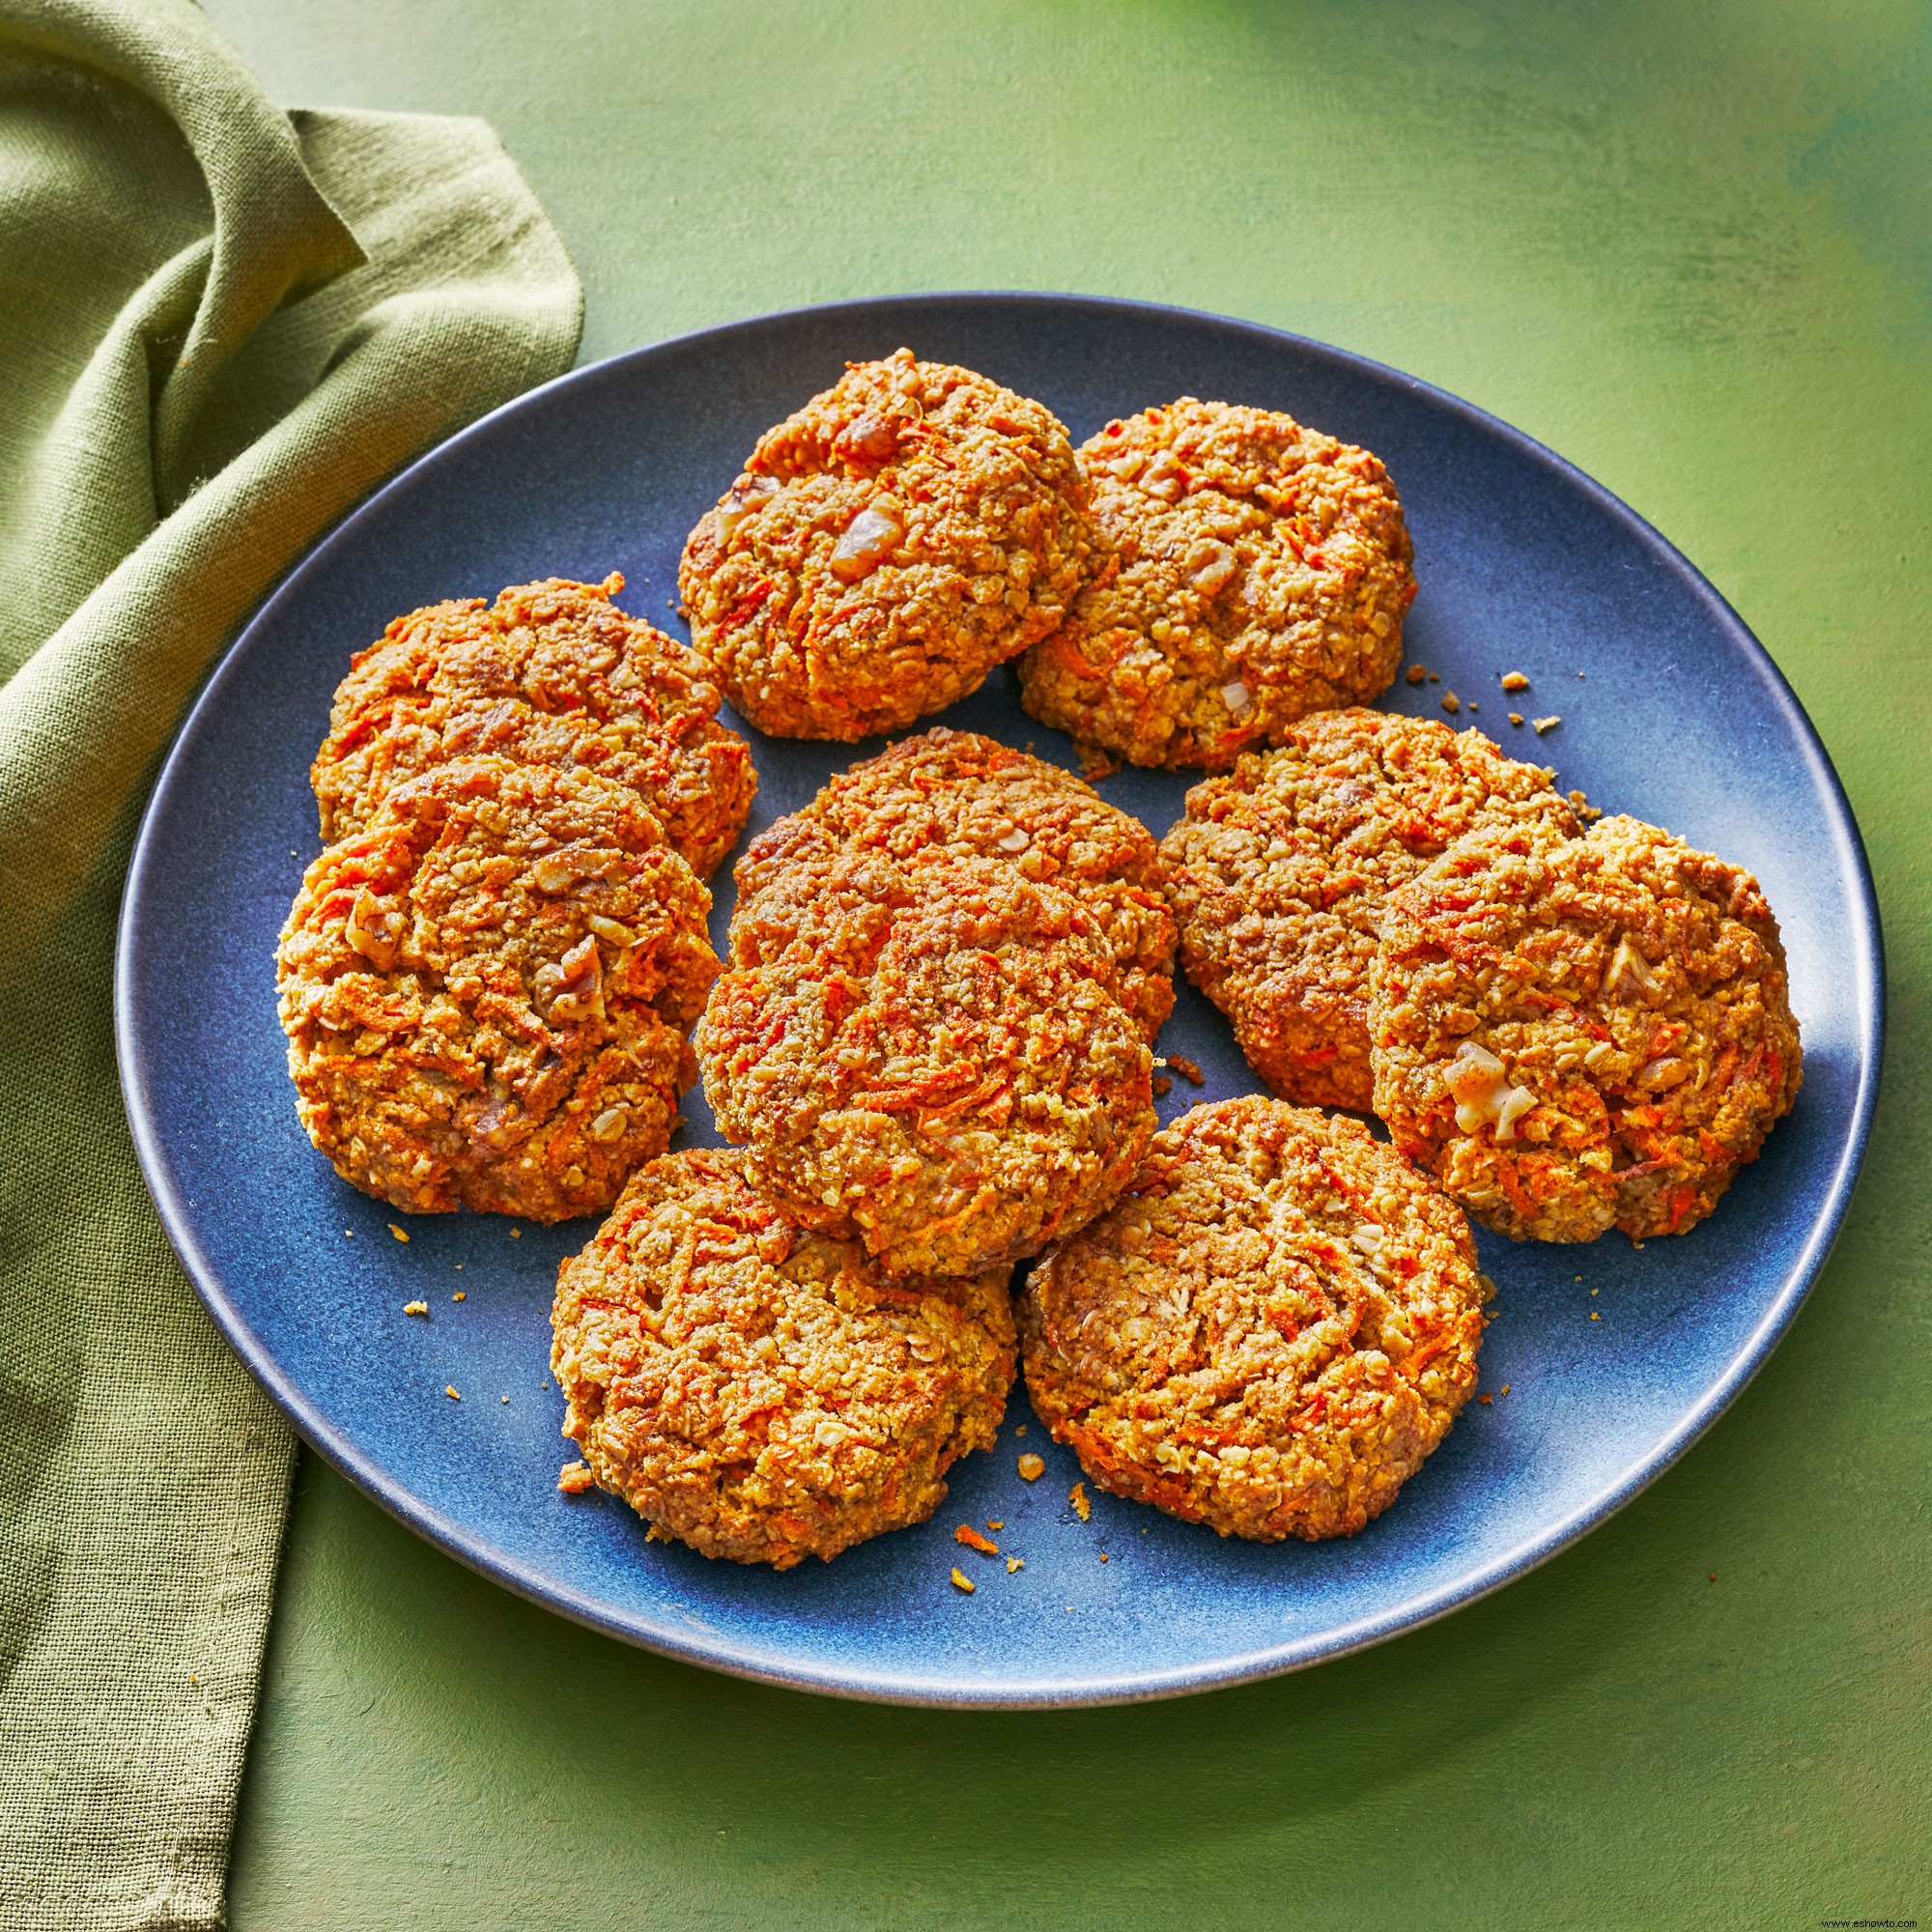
1690 247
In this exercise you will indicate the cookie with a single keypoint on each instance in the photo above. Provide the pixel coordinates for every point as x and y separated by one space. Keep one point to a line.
1268 1333
884 549
1576 1035
1246 572
552 673
485 992
759 1390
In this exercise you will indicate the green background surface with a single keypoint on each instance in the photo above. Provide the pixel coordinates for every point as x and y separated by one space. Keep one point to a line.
1691 249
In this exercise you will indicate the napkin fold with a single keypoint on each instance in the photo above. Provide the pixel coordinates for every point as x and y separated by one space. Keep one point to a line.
220 326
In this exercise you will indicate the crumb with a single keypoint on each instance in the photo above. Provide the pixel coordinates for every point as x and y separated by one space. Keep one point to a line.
1451 703
1032 1467
506 1399
656 1535
1504 1390
995 1523
1714 1576
1434 679
459 1268
1416 674
973 1539
1473 705
415 1308
397 1232
1162 1085
450 1389
1187 1069
459 1295
349 1233
1516 717
1593 1291
1593 1315
961 1581
516 1234
1513 680
1078 1497
1580 673
1016 1563
1542 724
1021 1430
1069 1609
1585 811
1095 764
1105 1557
1483 1400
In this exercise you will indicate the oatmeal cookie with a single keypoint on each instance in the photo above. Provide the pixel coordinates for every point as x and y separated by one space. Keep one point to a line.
485 992
944 793
884 549
552 673
1279 870
759 1390
1267 1333
1246 571
1582 1034
934 1059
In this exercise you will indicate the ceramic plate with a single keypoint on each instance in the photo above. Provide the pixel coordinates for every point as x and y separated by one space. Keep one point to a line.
1669 708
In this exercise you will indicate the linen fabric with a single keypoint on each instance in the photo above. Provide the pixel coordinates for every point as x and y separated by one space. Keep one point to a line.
220 326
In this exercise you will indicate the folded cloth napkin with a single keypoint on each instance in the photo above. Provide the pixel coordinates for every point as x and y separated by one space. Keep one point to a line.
220 325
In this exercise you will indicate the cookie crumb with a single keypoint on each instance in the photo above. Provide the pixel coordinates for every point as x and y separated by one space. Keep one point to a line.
573 1478
1513 680
1417 675
1593 1315
995 1523
1021 1430
1187 1069
450 1389
973 1539
1516 717
1016 1563
397 1232
516 1234
1714 1576
1078 1497
1032 1467
1483 1400
1451 703
1105 1557
415 1308
1542 724
459 1295
963 1581
1095 764
1162 1085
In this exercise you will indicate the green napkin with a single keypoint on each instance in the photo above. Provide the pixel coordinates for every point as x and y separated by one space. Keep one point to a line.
220 326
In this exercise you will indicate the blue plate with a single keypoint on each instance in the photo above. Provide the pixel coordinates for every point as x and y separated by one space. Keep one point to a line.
1670 710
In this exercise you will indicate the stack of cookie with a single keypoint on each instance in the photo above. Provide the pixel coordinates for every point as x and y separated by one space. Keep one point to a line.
489 978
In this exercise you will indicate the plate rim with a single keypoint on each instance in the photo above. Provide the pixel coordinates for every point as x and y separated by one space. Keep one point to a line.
736 1658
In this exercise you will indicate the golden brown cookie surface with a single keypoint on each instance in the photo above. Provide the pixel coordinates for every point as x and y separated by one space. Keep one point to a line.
884 549
1246 571
552 673
760 1391
1580 1034
1267 1333
935 1059
943 795
1279 870
485 992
